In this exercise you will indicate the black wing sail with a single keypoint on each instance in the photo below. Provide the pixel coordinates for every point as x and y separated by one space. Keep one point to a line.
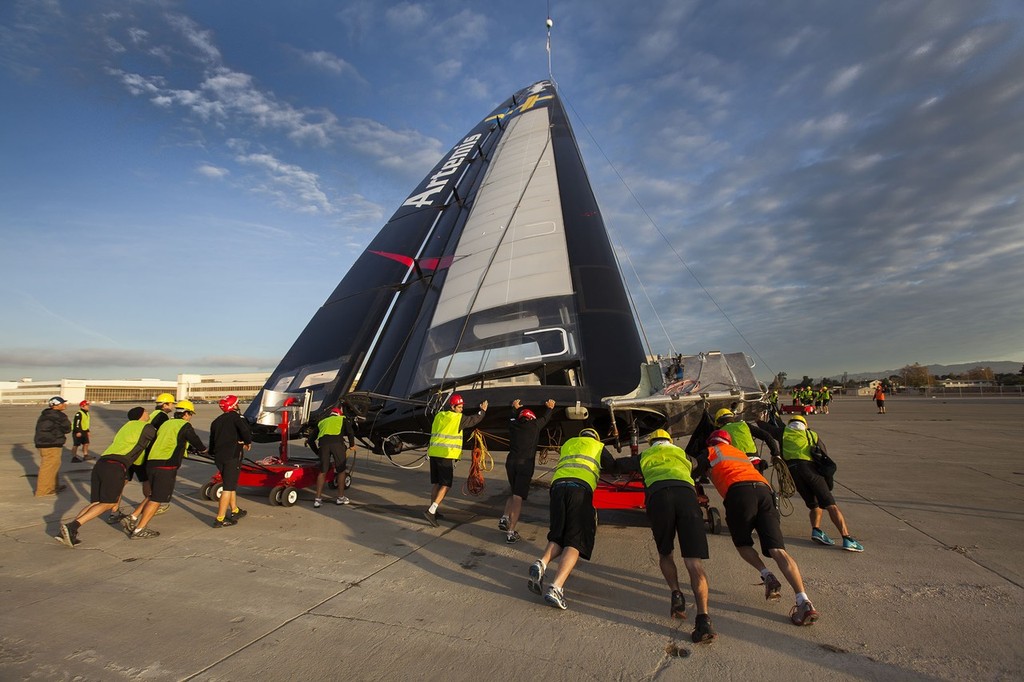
495 277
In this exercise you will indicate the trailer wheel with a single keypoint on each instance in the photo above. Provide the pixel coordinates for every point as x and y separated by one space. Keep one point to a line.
216 490
275 494
714 521
289 496
205 491
348 480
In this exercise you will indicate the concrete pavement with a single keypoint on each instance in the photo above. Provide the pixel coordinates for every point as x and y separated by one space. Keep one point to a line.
369 591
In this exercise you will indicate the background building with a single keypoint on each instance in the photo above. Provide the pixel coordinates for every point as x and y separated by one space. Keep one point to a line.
194 387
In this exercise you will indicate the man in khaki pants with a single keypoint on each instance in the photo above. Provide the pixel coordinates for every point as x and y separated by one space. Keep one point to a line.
52 429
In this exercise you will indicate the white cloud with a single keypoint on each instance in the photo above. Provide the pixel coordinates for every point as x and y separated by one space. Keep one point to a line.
406 16
214 172
290 185
331 63
844 79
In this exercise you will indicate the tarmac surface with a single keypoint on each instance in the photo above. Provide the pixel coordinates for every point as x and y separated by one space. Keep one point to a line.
370 591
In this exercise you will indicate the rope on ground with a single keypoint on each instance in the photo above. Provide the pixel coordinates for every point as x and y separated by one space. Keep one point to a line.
480 462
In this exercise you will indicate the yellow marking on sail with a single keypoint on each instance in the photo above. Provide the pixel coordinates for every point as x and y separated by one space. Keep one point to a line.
530 102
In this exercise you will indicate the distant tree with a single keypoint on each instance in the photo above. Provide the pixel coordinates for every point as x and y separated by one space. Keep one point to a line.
1021 372
980 374
806 381
915 376
779 381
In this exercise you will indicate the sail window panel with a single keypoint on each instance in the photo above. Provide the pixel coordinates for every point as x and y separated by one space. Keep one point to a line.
512 248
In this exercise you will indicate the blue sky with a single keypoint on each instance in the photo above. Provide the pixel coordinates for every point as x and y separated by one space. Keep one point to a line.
830 186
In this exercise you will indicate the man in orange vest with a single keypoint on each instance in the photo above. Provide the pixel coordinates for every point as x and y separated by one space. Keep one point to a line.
749 506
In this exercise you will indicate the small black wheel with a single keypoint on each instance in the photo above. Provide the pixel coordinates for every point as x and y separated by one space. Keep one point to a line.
348 480
205 491
216 490
714 521
289 496
275 494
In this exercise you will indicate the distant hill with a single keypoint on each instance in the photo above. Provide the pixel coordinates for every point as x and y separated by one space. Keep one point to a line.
997 366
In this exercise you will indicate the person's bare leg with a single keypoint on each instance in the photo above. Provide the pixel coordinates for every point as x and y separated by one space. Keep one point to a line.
837 519
698 582
570 555
789 569
515 507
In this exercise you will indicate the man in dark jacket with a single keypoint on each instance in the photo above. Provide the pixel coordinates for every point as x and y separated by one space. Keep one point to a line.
523 433
52 429
230 437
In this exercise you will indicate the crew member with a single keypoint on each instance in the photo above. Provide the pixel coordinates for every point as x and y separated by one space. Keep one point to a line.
880 398
230 437
52 429
80 433
673 510
749 506
163 411
109 474
743 435
797 440
523 433
172 442
573 518
446 448
329 444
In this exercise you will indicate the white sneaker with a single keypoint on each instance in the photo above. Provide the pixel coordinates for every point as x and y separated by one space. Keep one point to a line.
342 500
317 502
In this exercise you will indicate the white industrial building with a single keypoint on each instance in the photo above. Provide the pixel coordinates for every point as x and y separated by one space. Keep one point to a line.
194 387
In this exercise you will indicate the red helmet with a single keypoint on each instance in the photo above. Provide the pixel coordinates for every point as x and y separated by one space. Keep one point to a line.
720 436
228 403
336 410
526 415
456 399
83 403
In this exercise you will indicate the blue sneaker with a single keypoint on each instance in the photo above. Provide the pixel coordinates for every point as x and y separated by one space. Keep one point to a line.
851 545
819 536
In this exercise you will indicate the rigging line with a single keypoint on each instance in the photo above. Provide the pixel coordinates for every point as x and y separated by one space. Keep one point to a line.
549 24
632 303
494 253
665 238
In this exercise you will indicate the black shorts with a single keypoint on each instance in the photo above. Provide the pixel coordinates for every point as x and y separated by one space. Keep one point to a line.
573 518
229 469
749 506
107 481
519 476
162 480
333 450
442 471
80 440
810 484
139 472
674 512
880 403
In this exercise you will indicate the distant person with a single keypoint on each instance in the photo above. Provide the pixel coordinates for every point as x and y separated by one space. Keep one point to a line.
230 437
445 449
163 411
749 506
80 433
173 439
674 512
880 399
826 398
329 445
523 433
743 435
797 440
573 524
109 474
52 429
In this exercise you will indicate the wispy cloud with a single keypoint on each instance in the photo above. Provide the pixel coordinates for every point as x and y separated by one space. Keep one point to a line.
331 63
214 172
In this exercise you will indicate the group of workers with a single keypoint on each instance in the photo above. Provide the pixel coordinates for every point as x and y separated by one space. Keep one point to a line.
818 400
728 457
150 447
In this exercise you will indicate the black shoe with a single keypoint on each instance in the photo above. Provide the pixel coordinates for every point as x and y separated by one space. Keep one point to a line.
115 517
76 460
431 518
61 488
678 605
228 521
703 633
237 514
